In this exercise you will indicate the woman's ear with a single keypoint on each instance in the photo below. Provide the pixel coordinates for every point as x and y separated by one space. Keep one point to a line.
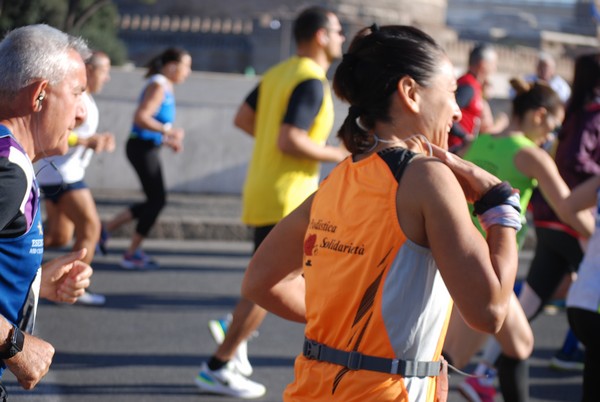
539 115
408 92
171 67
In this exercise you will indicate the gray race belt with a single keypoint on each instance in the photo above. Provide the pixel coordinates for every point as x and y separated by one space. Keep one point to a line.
357 361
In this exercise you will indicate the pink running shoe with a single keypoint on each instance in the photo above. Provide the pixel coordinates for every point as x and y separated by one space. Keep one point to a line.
477 390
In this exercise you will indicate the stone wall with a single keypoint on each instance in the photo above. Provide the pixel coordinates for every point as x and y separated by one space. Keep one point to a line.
240 35
234 45
216 154
511 60
429 12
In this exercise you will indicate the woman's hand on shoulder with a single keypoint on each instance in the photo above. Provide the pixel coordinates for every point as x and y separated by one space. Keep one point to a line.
474 180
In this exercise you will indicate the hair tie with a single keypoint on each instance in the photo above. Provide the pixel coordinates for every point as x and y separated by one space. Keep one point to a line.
357 111
360 125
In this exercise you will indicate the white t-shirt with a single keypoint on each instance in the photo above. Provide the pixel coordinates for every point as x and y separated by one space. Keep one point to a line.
558 84
584 293
71 166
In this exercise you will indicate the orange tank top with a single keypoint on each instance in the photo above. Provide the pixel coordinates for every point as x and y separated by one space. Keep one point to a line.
368 288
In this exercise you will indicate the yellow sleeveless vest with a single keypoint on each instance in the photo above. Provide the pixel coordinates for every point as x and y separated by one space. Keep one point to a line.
277 183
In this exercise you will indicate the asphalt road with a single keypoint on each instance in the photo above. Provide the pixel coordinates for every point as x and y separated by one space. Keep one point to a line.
148 341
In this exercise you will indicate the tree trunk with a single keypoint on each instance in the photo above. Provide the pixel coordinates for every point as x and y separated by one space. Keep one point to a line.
74 22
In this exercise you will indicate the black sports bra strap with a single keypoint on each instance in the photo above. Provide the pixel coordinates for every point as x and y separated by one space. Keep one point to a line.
397 160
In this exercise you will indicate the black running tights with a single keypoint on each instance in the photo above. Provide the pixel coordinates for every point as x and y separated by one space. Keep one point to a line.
145 159
586 326
513 375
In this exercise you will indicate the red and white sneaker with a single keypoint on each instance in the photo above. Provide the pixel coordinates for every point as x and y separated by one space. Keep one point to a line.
478 389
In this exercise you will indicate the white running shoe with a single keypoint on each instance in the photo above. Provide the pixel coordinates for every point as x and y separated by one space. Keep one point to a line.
227 381
218 329
91 299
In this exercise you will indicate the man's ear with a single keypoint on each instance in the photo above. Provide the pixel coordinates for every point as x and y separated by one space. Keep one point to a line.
322 36
408 92
38 94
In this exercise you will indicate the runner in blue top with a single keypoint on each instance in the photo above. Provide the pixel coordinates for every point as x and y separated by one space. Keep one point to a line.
152 127
42 77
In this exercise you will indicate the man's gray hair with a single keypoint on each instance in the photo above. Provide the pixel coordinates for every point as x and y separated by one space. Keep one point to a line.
36 52
547 58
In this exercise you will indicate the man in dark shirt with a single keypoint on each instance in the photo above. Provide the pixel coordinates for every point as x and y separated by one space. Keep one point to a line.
469 97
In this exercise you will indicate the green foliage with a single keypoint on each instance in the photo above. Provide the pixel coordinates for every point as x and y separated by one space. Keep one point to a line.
92 19
101 31
14 14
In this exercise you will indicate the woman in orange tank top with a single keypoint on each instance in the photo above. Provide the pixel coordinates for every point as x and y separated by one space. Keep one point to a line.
372 261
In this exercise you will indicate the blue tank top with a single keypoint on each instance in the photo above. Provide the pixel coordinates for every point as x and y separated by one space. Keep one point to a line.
165 114
21 257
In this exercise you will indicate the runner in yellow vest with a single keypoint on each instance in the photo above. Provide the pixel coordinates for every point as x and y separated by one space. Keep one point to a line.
289 115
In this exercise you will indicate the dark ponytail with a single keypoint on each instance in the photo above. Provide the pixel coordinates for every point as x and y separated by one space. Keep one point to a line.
368 75
172 54
533 95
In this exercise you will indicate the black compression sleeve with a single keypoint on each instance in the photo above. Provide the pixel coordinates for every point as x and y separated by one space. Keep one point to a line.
464 95
304 104
252 98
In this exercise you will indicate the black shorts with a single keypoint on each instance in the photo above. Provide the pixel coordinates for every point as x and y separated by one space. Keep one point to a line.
260 234
557 253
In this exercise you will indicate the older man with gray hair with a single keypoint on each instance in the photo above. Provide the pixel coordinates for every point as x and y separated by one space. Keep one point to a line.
42 78
545 70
